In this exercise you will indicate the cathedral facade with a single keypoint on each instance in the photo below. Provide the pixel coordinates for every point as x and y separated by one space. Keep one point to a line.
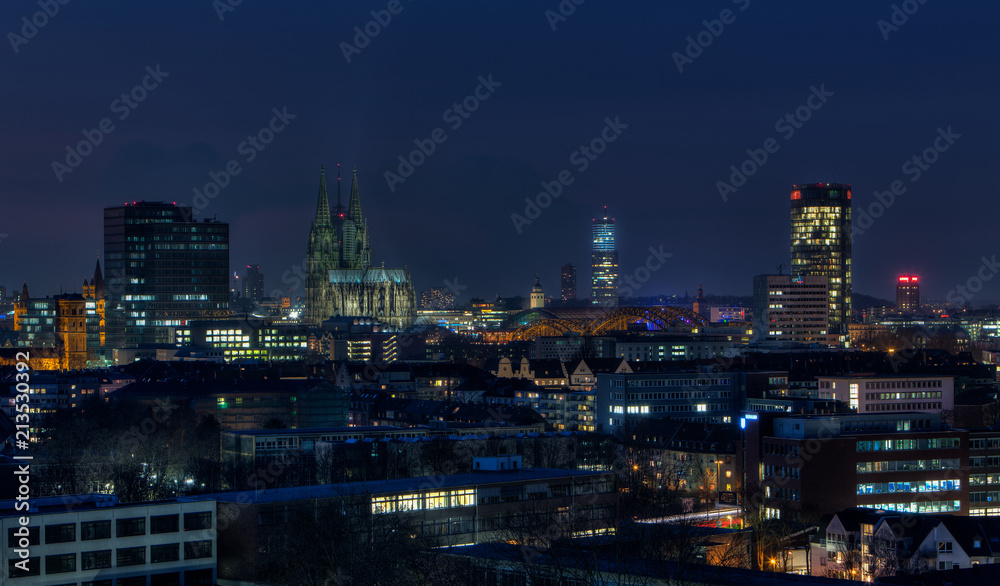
340 280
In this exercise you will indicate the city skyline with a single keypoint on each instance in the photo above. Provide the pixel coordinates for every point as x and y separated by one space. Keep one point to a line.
893 98
563 292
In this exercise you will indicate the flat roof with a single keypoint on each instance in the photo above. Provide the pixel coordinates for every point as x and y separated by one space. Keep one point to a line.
319 430
277 495
82 502
870 375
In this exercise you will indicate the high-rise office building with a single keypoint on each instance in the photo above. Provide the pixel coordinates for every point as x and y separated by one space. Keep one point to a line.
162 267
568 288
604 263
908 293
821 244
792 309
253 284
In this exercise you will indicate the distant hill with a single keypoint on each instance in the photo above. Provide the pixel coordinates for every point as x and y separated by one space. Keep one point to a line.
862 301
859 300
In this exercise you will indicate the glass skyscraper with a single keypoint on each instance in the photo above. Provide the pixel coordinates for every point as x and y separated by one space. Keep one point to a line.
604 263
161 267
821 244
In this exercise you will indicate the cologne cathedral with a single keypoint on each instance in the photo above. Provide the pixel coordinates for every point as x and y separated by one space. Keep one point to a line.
340 280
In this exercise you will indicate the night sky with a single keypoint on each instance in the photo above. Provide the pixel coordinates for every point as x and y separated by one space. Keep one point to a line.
451 219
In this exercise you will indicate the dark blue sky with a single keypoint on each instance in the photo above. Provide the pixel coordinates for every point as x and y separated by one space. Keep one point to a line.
452 218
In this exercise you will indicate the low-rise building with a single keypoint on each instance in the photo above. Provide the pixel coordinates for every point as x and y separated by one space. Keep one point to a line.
886 394
445 510
260 339
872 544
808 465
96 540
709 395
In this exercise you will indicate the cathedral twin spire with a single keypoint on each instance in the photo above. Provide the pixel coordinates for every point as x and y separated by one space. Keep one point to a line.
354 208
338 279
350 233
323 214
323 204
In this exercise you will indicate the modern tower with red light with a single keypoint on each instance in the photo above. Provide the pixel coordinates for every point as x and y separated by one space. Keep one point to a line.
908 294
821 244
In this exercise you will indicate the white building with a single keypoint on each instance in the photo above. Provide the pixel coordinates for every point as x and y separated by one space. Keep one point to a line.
887 394
866 544
94 539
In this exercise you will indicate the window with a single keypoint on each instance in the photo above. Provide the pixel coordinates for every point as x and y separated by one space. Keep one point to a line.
131 556
34 568
60 533
60 564
944 547
163 524
196 521
463 498
131 527
383 504
437 500
198 549
169 579
93 560
198 578
170 552
95 530
15 541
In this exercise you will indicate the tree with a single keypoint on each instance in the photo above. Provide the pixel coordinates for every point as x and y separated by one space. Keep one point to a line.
342 542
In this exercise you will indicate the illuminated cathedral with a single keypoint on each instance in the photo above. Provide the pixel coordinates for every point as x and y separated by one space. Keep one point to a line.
340 280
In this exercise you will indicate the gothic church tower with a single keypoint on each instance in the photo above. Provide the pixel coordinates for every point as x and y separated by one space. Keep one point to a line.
322 256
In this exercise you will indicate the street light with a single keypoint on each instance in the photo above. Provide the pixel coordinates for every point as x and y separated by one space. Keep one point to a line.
718 479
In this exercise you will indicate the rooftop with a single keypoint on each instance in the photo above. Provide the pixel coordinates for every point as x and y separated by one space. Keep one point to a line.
81 502
397 485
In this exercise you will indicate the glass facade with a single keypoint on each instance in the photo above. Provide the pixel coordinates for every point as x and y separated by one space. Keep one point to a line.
162 268
821 244
604 263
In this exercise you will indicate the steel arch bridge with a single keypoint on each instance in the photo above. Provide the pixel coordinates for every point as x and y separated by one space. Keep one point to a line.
616 320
